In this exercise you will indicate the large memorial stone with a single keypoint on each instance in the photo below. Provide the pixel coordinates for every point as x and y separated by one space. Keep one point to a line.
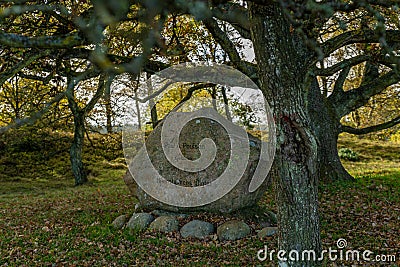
190 145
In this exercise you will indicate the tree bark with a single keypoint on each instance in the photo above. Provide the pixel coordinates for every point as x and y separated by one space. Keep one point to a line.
152 104
330 166
76 149
226 103
214 97
107 99
282 58
79 115
139 118
326 126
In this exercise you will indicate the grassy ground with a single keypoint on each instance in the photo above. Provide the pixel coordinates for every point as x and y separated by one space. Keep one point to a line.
46 221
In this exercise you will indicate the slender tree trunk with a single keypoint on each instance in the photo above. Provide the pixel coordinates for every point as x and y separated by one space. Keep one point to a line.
107 98
152 104
154 116
76 149
139 118
226 103
214 97
108 116
281 57
79 115
17 106
77 144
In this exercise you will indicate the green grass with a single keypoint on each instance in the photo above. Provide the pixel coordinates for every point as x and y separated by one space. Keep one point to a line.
376 157
46 221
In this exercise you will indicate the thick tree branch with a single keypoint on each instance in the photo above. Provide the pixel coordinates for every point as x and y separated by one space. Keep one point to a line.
345 102
357 36
45 79
235 15
73 82
347 7
58 42
390 61
31 58
222 38
341 65
338 87
21 9
99 93
190 93
370 129
70 94
150 66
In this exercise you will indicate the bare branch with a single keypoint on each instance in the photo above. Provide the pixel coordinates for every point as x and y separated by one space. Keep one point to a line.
35 116
338 88
342 65
150 66
31 58
345 102
58 42
45 79
222 38
356 36
346 6
73 81
234 14
190 93
156 93
370 129
97 95
21 9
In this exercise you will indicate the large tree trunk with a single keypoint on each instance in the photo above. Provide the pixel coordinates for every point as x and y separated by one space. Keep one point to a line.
326 128
76 150
331 168
282 59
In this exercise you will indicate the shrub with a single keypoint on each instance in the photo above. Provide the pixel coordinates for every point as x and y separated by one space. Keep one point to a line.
348 154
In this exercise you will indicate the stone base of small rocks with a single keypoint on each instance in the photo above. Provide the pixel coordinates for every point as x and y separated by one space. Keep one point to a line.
166 222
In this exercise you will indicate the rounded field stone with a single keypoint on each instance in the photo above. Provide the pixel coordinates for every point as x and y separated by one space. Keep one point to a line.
267 231
120 221
165 224
169 213
233 230
198 229
140 221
